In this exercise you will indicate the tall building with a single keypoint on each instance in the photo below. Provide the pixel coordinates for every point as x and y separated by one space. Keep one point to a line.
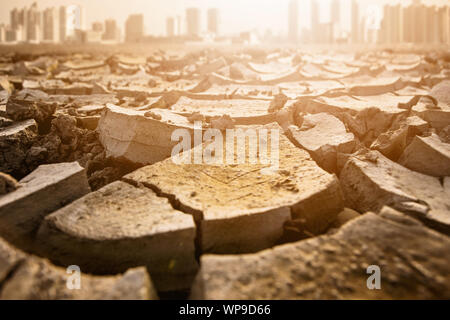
17 30
193 22
170 27
355 22
2 33
134 28
408 24
315 22
17 18
362 31
335 14
179 25
14 18
33 24
431 32
50 29
112 32
213 20
419 29
442 28
293 21
397 23
74 21
413 23
335 19
446 24
392 25
62 23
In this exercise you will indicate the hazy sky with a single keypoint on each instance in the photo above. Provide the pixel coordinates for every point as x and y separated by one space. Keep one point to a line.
236 15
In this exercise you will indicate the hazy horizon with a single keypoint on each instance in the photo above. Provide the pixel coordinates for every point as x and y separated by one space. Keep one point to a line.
235 15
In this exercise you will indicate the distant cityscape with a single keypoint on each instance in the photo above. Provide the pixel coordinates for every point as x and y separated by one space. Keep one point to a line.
416 23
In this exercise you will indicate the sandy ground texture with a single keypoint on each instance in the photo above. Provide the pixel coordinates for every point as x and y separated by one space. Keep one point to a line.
88 176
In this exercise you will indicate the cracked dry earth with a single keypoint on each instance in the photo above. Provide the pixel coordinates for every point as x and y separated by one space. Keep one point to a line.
87 177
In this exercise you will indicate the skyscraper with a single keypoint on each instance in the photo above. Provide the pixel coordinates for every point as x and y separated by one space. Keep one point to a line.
408 24
193 21
50 30
392 25
335 13
447 25
112 32
170 27
396 24
16 18
431 33
62 23
314 20
2 33
335 19
419 29
293 21
17 30
355 22
134 28
179 25
71 19
442 25
213 20
33 24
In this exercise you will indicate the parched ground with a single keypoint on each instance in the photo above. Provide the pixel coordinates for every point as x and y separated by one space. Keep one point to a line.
87 176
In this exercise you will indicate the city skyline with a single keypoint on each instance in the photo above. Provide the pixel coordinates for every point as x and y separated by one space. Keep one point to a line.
237 16
390 23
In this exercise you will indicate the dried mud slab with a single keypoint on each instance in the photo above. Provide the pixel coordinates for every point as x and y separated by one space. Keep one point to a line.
428 155
25 277
84 64
295 90
211 91
43 191
323 136
121 226
239 208
441 92
393 142
370 86
15 140
370 181
147 139
244 112
37 279
10 257
366 116
437 116
435 111
413 261
30 104
7 184
315 71
82 100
